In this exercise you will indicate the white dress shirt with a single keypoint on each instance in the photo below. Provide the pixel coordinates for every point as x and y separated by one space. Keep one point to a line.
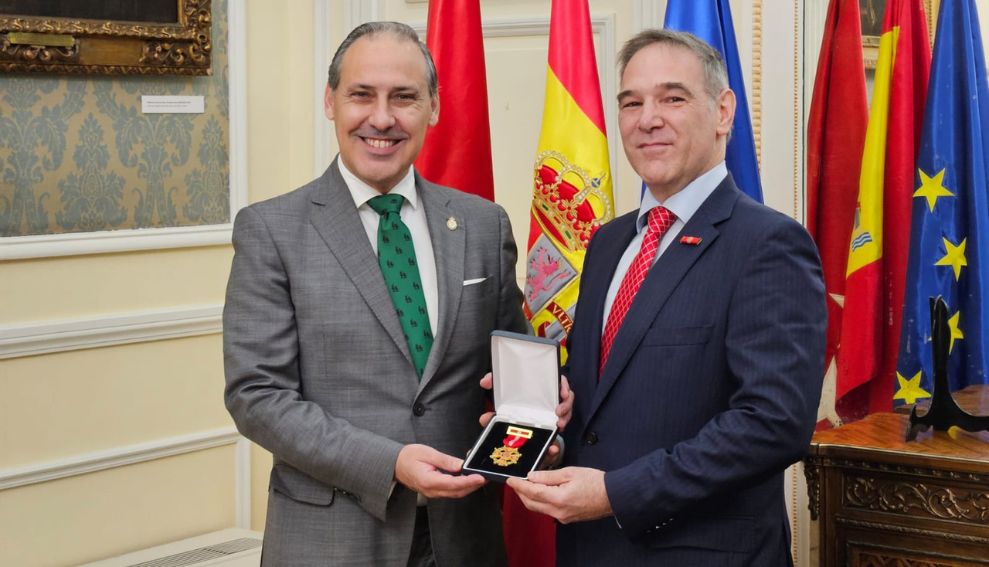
414 216
683 204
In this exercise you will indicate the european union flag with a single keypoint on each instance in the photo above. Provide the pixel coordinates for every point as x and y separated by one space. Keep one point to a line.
711 21
949 243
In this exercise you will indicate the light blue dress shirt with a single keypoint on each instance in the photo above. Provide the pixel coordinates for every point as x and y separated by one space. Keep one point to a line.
683 204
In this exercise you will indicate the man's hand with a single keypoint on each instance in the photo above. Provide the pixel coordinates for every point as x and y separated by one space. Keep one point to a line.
564 411
571 494
427 471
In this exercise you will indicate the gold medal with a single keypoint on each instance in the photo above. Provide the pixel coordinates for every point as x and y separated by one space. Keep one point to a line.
505 456
508 454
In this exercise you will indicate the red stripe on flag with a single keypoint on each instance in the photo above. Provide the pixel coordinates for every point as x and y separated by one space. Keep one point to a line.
530 538
858 360
835 139
571 45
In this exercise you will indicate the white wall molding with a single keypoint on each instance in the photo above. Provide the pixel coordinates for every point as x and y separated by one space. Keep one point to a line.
356 12
69 244
815 16
121 456
93 332
242 483
324 43
647 14
237 61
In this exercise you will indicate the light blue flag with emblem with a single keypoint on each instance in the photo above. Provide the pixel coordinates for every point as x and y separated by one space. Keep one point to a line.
949 243
710 20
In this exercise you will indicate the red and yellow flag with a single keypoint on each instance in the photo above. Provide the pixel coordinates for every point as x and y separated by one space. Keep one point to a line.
572 192
880 239
571 197
457 150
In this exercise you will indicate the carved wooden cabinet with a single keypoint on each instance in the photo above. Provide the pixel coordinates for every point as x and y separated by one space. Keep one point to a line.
882 501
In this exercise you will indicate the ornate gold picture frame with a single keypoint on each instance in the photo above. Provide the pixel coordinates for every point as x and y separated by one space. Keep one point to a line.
871 13
157 37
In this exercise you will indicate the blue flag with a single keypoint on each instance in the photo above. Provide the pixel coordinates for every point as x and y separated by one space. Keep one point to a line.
949 241
711 21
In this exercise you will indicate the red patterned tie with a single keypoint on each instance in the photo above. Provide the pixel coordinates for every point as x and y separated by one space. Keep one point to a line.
660 220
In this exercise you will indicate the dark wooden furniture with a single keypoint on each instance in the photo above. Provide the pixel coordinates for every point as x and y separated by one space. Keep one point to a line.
882 501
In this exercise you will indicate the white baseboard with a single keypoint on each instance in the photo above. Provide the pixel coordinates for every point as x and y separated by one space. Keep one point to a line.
93 332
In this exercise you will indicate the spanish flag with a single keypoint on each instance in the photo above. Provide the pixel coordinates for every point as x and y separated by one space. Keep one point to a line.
571 197
880 239
572 193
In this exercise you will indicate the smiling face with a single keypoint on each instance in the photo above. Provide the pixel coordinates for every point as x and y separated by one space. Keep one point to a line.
671 128
381 108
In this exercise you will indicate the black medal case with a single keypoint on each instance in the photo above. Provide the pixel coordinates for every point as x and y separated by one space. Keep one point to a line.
526 376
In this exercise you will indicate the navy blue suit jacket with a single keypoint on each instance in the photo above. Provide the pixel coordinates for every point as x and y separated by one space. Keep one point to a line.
710 392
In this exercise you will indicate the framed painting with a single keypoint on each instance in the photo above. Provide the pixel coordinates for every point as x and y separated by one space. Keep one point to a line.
871 13
108 37
84 170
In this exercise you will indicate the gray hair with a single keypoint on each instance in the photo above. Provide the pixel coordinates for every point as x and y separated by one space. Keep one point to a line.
715 72
400 31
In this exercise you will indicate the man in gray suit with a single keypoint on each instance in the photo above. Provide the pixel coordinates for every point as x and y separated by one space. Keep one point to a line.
356 328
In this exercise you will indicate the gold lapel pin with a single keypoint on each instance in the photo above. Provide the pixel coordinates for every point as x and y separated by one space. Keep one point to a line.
451 223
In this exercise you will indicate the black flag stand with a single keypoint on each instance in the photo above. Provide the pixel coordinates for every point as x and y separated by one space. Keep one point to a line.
943 411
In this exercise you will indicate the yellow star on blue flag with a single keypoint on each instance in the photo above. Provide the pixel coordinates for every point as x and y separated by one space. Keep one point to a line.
954 256
956 331
931 188
910 390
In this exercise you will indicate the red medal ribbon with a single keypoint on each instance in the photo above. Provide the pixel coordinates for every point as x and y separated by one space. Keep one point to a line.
514 441
517 437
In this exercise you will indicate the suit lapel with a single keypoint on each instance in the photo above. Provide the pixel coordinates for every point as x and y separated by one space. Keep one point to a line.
338 223
448 249
590 304
598 281
662 281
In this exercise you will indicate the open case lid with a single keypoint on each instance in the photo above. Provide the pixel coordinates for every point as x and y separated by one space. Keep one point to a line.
526 372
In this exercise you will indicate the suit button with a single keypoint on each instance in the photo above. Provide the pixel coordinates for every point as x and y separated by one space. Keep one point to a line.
418 410
591 439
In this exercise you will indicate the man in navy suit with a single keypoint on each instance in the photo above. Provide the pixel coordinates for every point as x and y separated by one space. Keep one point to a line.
697 351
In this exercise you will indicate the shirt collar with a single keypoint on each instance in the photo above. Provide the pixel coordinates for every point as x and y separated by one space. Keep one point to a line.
684 203
362 192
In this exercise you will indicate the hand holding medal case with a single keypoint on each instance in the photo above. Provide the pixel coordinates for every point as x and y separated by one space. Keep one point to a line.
526 376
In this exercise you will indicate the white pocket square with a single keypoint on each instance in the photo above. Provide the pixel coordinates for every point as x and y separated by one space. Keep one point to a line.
473 281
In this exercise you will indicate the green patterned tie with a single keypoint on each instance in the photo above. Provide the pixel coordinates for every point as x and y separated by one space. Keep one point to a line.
397 258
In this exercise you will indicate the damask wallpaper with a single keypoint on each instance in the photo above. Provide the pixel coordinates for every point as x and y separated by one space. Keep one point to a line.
78 155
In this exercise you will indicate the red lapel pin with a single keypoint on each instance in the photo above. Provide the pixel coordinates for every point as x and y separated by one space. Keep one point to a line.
691 240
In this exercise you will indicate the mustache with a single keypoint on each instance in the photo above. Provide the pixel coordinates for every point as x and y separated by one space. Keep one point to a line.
389 134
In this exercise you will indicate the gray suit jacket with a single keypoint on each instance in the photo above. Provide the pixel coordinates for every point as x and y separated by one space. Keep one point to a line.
318 372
